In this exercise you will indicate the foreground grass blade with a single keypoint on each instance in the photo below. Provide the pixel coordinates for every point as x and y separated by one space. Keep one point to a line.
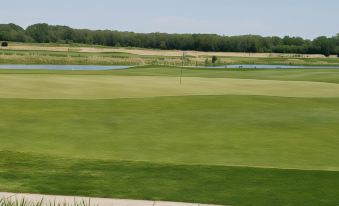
24 202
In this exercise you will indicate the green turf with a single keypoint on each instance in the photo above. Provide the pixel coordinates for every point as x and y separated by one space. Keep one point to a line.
207 149
226 130
317 75
22 172
36 86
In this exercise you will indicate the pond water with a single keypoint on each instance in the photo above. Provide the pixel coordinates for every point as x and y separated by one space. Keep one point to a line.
62 67
267 66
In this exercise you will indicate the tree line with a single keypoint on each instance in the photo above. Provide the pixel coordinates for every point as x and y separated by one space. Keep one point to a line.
44 33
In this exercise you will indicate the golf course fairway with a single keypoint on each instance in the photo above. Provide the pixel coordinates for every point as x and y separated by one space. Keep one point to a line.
219 137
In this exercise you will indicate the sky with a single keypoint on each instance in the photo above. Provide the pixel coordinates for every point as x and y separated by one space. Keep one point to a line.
305 18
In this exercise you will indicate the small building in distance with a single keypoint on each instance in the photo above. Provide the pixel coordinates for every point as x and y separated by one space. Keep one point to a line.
4 44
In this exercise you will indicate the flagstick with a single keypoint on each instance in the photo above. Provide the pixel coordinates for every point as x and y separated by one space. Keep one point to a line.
183 59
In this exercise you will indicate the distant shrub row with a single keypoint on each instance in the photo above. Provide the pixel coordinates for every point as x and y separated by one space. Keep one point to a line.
44 33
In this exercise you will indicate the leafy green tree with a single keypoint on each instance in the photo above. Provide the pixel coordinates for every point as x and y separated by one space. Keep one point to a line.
44 33
4 44
39 33
325 45
214 59
163 45
12 32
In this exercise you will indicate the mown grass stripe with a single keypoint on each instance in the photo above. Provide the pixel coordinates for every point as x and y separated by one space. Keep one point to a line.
214 130
20 172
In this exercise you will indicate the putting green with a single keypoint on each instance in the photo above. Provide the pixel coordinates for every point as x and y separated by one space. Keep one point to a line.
33 86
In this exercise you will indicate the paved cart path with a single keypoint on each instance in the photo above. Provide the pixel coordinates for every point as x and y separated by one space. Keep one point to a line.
94 201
